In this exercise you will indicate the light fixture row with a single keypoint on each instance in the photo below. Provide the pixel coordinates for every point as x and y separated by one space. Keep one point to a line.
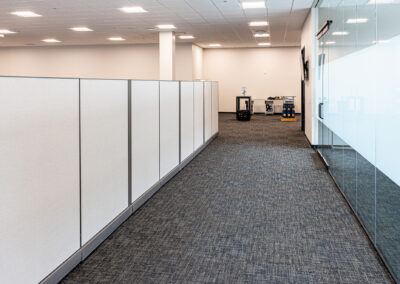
138 9
373 42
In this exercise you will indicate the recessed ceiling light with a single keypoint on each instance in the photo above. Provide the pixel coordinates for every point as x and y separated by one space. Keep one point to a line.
357 21
1 35
51 40
340 33
117 38
262 35
214 45
6 32
166 27
81 29
264 43
330 42
135 9
258 24
26 14
253 5
186 37
380 41
373 2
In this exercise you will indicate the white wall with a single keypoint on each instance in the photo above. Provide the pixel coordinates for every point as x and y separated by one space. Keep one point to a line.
308 41
264 71
183 62
140 61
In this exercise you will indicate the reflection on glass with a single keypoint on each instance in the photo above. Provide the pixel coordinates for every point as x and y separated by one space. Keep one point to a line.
358 83
366 194
388 221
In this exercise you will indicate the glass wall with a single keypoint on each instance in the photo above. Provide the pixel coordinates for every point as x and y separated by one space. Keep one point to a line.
358 94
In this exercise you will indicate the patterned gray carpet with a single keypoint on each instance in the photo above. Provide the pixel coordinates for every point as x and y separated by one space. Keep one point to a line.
256 206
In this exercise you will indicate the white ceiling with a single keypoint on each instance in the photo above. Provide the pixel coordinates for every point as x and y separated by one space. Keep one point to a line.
210 21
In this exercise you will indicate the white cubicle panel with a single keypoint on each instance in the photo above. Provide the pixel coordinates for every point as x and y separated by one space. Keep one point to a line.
169 126
39 176
207 110
104 153
215 108
187 119
198 114
145 136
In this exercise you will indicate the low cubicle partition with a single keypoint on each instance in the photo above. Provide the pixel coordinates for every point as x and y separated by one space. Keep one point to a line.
79 156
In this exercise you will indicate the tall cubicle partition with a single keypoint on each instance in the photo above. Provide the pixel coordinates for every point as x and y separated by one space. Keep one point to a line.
79 156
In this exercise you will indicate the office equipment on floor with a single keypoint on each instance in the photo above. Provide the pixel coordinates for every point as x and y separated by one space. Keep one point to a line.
243 108
258 106
278 105
288 111
269 107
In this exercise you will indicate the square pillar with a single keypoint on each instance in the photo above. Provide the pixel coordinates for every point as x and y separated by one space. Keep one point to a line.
167 55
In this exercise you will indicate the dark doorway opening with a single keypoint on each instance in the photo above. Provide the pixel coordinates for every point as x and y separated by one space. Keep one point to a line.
304 77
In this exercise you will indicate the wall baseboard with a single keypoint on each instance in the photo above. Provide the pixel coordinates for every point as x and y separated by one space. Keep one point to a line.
66 267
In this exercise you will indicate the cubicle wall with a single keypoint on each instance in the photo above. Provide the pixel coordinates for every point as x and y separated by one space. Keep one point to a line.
145 98
214 108
104 153
187 119
79 156
169 126
207 110
198 114
39 176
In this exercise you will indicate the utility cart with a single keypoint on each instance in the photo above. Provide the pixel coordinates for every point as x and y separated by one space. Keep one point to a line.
243 108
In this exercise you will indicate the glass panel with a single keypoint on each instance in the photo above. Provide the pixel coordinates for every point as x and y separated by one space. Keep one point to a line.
366 194
387 65
350 175
359 85
336 157
388 221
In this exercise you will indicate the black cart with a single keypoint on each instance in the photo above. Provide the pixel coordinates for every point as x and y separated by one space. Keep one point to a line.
243 108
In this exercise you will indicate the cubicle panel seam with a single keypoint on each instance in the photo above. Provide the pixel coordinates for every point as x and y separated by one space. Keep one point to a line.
180 122
129 143
204 113
375 188
159 131
212 115
194 118
80 164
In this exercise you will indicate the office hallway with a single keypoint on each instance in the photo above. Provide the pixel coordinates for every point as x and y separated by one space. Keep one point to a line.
256 206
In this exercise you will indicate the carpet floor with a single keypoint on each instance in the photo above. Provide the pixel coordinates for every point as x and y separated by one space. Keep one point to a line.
256 206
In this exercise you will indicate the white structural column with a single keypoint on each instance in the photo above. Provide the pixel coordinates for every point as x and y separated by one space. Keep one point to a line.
167 56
